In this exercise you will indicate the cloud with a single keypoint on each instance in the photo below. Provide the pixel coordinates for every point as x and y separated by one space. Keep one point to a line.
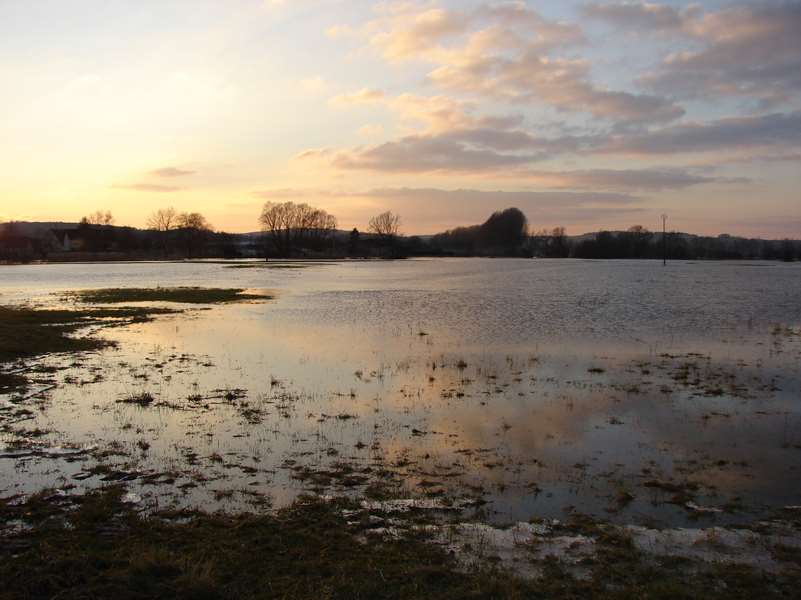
447 137
752 50
611 179
773 131
436 113
641 15
408 34
555 198
571 198
562 83
421 153
171 172
508 151
412 31
314 153
363 96
506 52
149 187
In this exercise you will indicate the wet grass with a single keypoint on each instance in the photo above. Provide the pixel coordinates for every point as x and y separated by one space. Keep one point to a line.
97 546
104 549
143 399
181 295
27 332
10 381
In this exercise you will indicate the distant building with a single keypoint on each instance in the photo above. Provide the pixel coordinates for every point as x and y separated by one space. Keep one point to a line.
68 240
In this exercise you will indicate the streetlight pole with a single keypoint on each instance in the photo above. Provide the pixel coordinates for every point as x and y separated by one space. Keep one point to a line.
664 240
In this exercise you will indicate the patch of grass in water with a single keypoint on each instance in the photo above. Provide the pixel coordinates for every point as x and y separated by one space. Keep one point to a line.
26 332
143 399
181 295
10 381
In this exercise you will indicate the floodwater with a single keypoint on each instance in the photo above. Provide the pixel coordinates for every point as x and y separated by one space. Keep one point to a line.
622 389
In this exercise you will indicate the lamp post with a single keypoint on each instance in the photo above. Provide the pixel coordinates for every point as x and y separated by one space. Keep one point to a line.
664 240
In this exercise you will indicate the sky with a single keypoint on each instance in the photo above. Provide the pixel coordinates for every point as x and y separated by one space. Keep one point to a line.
584 114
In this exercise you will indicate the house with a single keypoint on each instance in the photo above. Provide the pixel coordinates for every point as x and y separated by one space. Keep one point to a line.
69 240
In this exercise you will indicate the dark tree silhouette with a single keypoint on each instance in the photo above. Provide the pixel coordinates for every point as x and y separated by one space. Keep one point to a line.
385 225
353 242
504 233
504 229
100 217
290 227
163 221
193 231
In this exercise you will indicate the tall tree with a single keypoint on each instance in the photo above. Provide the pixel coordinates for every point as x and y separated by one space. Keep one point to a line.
505 229
289 226
559 246
386 225
194 221
193 230
100 217
163 221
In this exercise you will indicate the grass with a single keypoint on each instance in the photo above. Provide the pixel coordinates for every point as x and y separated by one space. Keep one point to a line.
105 550
143 399
9 381
182 295
26 332
99 547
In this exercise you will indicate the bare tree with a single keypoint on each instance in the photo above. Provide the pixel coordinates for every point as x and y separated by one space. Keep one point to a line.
559 246
386 225
276 221
289 225
323 225
194 221
193 231
100 217
164 219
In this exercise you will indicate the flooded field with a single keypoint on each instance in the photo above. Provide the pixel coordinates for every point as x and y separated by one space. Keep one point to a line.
523 389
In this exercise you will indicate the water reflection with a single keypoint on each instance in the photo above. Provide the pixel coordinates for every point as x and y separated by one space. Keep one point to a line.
534 385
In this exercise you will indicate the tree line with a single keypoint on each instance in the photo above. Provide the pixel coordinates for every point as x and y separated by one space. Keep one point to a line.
296 230
292 229
639 243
